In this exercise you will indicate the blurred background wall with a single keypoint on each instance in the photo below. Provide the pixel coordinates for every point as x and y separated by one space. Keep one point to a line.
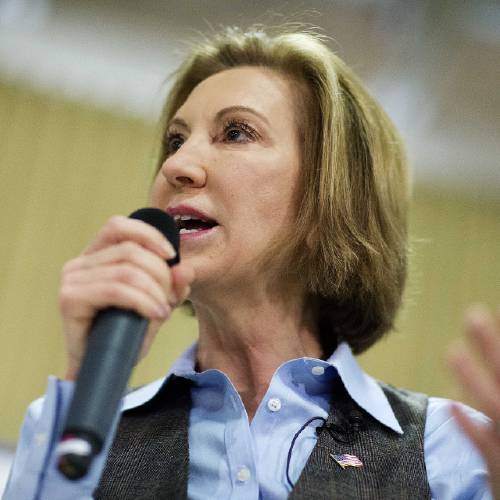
81 86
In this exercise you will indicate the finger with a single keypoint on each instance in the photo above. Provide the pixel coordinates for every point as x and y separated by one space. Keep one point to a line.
127 251
120 228
182 277
484 332
485 439
474 380
82 301
123 273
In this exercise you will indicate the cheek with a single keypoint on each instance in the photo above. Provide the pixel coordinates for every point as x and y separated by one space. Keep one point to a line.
264 209
158 193
278 197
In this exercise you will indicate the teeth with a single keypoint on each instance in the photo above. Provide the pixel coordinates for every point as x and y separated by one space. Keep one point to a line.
187 231
185 217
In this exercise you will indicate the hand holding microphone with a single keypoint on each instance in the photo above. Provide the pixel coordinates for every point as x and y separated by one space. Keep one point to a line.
114 298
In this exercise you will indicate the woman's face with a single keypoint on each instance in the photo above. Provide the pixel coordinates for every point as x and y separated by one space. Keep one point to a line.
233 156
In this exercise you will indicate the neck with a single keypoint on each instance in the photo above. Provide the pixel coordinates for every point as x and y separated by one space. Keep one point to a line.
248 337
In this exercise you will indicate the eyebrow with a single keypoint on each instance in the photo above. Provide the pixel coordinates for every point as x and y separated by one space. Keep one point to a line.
220 114
179 122
235 109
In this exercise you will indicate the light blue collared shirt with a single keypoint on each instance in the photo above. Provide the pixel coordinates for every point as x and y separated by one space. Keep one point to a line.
231 458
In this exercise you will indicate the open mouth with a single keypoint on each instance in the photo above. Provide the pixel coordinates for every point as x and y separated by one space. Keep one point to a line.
189 224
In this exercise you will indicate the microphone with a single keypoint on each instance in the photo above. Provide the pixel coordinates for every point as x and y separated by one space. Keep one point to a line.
114 342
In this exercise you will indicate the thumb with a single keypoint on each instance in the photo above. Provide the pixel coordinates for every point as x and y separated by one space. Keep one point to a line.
182 277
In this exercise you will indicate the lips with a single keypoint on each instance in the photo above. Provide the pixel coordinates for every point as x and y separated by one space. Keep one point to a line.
190 219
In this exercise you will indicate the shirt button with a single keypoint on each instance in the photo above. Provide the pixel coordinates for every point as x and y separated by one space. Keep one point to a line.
274 404
318 370
243 474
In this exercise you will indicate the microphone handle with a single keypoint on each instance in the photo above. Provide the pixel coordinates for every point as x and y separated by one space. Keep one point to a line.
113 347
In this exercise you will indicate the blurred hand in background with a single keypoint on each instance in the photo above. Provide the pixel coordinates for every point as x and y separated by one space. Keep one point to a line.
480 378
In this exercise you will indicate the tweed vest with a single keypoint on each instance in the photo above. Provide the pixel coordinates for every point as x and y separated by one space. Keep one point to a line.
149 458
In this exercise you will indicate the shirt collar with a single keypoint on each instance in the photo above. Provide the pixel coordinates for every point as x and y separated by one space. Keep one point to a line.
183 366
362 388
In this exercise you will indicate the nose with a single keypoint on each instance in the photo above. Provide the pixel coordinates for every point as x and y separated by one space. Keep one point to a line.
186 167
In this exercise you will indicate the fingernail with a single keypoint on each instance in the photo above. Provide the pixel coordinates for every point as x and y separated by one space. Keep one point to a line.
477 315
187 293
168 250
162 312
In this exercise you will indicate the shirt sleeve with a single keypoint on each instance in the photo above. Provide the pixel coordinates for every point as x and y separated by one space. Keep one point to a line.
34 474
455 469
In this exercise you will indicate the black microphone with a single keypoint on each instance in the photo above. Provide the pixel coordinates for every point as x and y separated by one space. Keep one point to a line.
114 342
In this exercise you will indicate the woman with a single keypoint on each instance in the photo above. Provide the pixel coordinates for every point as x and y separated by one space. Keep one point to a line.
289 184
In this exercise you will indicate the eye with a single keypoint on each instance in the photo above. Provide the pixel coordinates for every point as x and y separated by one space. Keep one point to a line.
239 131
173 142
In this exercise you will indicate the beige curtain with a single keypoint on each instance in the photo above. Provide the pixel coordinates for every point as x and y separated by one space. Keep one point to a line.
65 168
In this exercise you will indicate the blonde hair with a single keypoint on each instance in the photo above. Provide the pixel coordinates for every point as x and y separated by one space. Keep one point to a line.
349 243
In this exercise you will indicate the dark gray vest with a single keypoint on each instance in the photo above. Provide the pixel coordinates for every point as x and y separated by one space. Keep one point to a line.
149 458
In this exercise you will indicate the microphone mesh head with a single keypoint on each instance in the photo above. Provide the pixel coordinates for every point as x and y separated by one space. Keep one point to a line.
164 223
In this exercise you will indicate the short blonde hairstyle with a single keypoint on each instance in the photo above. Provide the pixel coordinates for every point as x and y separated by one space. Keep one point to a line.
349 243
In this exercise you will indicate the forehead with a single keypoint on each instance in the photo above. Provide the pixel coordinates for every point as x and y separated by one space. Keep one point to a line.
263 89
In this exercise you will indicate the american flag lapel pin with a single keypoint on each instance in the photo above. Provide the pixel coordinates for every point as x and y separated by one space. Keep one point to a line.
346 460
